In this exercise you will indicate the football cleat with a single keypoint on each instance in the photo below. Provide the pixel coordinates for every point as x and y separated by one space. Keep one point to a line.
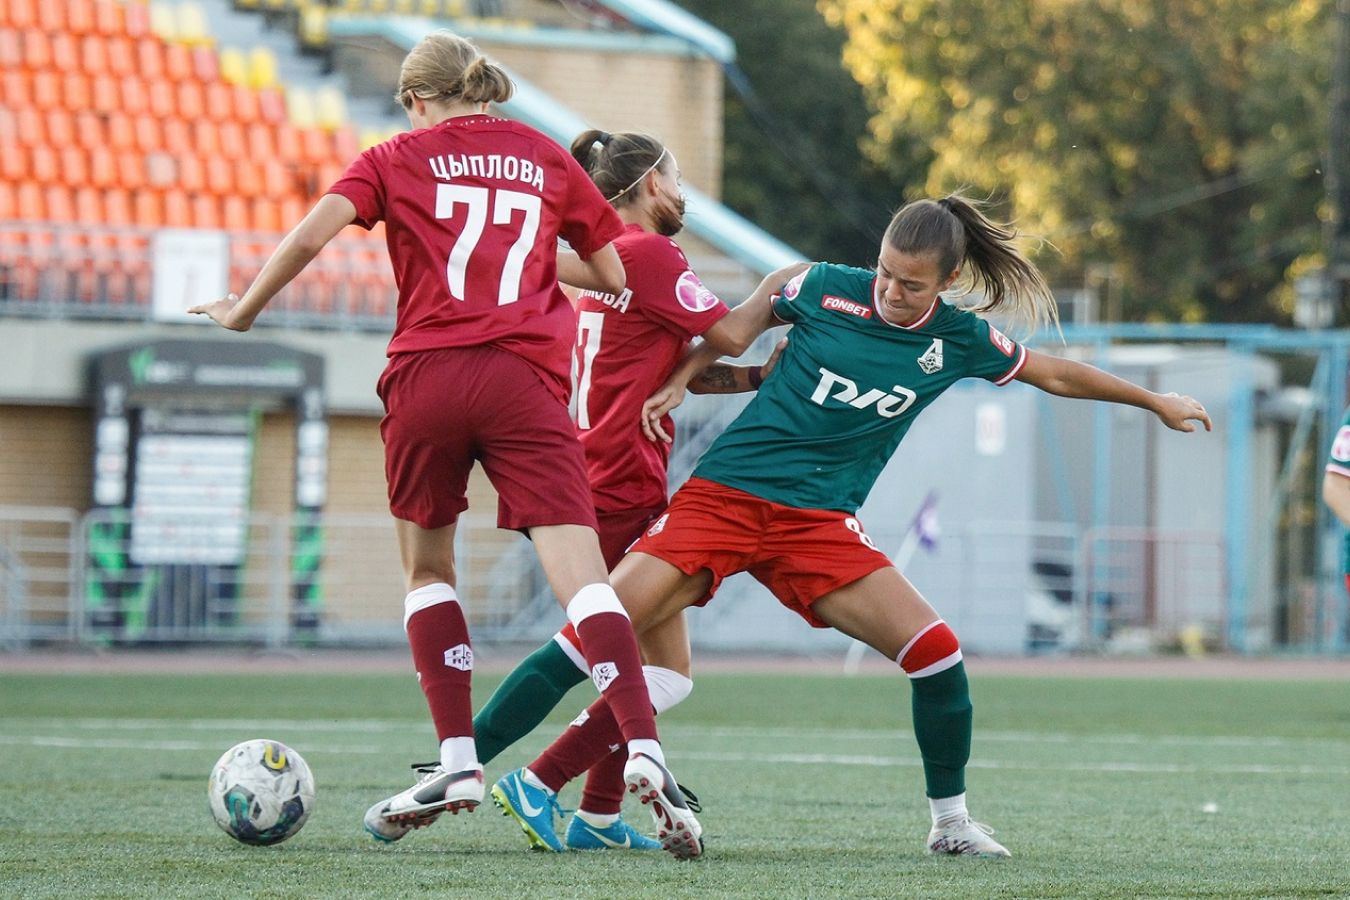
676 828
966 837
533 807
436 792
619 835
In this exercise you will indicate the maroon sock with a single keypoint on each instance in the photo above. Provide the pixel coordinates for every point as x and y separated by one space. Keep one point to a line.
592 737
611 651
605 786
443 657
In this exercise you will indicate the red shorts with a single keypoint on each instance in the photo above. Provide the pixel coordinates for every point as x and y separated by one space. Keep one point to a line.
444 409
800 555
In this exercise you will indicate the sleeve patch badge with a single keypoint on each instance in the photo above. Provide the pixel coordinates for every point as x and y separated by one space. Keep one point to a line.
1002 342
794 287
692 295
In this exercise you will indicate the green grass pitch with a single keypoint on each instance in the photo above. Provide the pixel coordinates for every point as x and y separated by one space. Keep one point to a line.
811 788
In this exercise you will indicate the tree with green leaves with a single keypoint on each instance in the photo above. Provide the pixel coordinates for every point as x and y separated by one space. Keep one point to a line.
1172 147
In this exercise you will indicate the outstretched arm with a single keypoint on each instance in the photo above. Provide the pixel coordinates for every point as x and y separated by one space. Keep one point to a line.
330 215
1069 378
733 334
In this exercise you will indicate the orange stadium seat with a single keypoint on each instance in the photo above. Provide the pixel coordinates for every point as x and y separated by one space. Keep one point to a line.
93 54
191 102
258 142
232 144
121 131
37 48
11 48
80 16
9 127
14 163
163 99
16 88
9 208
137 18
272 106
131 170
46 90
149 136
346 145
244 102
29 198
103 172
205 137
235 214
149 58
59 203
135 99
205 211
147 208
205 65
65 51
160 170
51 17
75 91
74 165
89 131
58 128
276 180
19 13
248 178
219 176
266 216
191 174
107 94
177 62
219 100
177 209
121 55
31 126
110 17
46 167
177 136
117 207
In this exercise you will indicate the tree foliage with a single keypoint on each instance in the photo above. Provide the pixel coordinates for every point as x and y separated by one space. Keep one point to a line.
1173 144
794 159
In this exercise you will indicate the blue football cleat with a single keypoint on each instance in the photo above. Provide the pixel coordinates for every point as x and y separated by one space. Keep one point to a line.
534 808
618 835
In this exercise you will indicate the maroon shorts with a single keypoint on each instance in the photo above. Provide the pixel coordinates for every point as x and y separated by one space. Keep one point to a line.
800 555
619 529
444 409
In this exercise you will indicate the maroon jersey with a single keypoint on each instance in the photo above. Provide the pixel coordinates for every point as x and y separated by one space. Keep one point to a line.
626 348
474 207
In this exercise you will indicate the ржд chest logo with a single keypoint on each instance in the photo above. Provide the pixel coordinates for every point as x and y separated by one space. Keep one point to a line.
887 405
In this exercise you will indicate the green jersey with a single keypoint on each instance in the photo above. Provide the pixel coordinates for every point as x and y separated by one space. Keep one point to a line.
1338 461
829 416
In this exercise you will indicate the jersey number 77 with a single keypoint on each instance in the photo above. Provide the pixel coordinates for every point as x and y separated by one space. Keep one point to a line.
503 204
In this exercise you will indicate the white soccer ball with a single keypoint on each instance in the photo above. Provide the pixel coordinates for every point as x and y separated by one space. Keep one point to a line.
261 792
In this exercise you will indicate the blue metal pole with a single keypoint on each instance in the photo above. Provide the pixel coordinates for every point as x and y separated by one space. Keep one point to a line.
1237 494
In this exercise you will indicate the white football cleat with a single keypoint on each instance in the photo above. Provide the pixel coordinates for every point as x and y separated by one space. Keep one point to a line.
437 791
966 837
676 828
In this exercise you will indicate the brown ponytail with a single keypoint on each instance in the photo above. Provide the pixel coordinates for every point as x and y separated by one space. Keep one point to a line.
617 162
448 68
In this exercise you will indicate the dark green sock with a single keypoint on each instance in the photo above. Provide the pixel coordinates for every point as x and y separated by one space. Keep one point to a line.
942 724
529 693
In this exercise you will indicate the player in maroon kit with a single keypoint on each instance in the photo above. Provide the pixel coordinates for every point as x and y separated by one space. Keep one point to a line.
479 368
627 343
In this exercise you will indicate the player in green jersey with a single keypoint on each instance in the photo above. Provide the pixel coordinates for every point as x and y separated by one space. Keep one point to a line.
1336 487
776 494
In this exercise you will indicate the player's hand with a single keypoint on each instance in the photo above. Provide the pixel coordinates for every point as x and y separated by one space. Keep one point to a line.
222 312
1178 411
772 361
655 408
776 280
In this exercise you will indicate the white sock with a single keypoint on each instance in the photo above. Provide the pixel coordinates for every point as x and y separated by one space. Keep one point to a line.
649 747
533 781
458 754
666 687
597 820
948 810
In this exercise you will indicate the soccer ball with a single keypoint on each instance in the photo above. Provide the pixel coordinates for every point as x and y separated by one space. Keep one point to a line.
261 792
